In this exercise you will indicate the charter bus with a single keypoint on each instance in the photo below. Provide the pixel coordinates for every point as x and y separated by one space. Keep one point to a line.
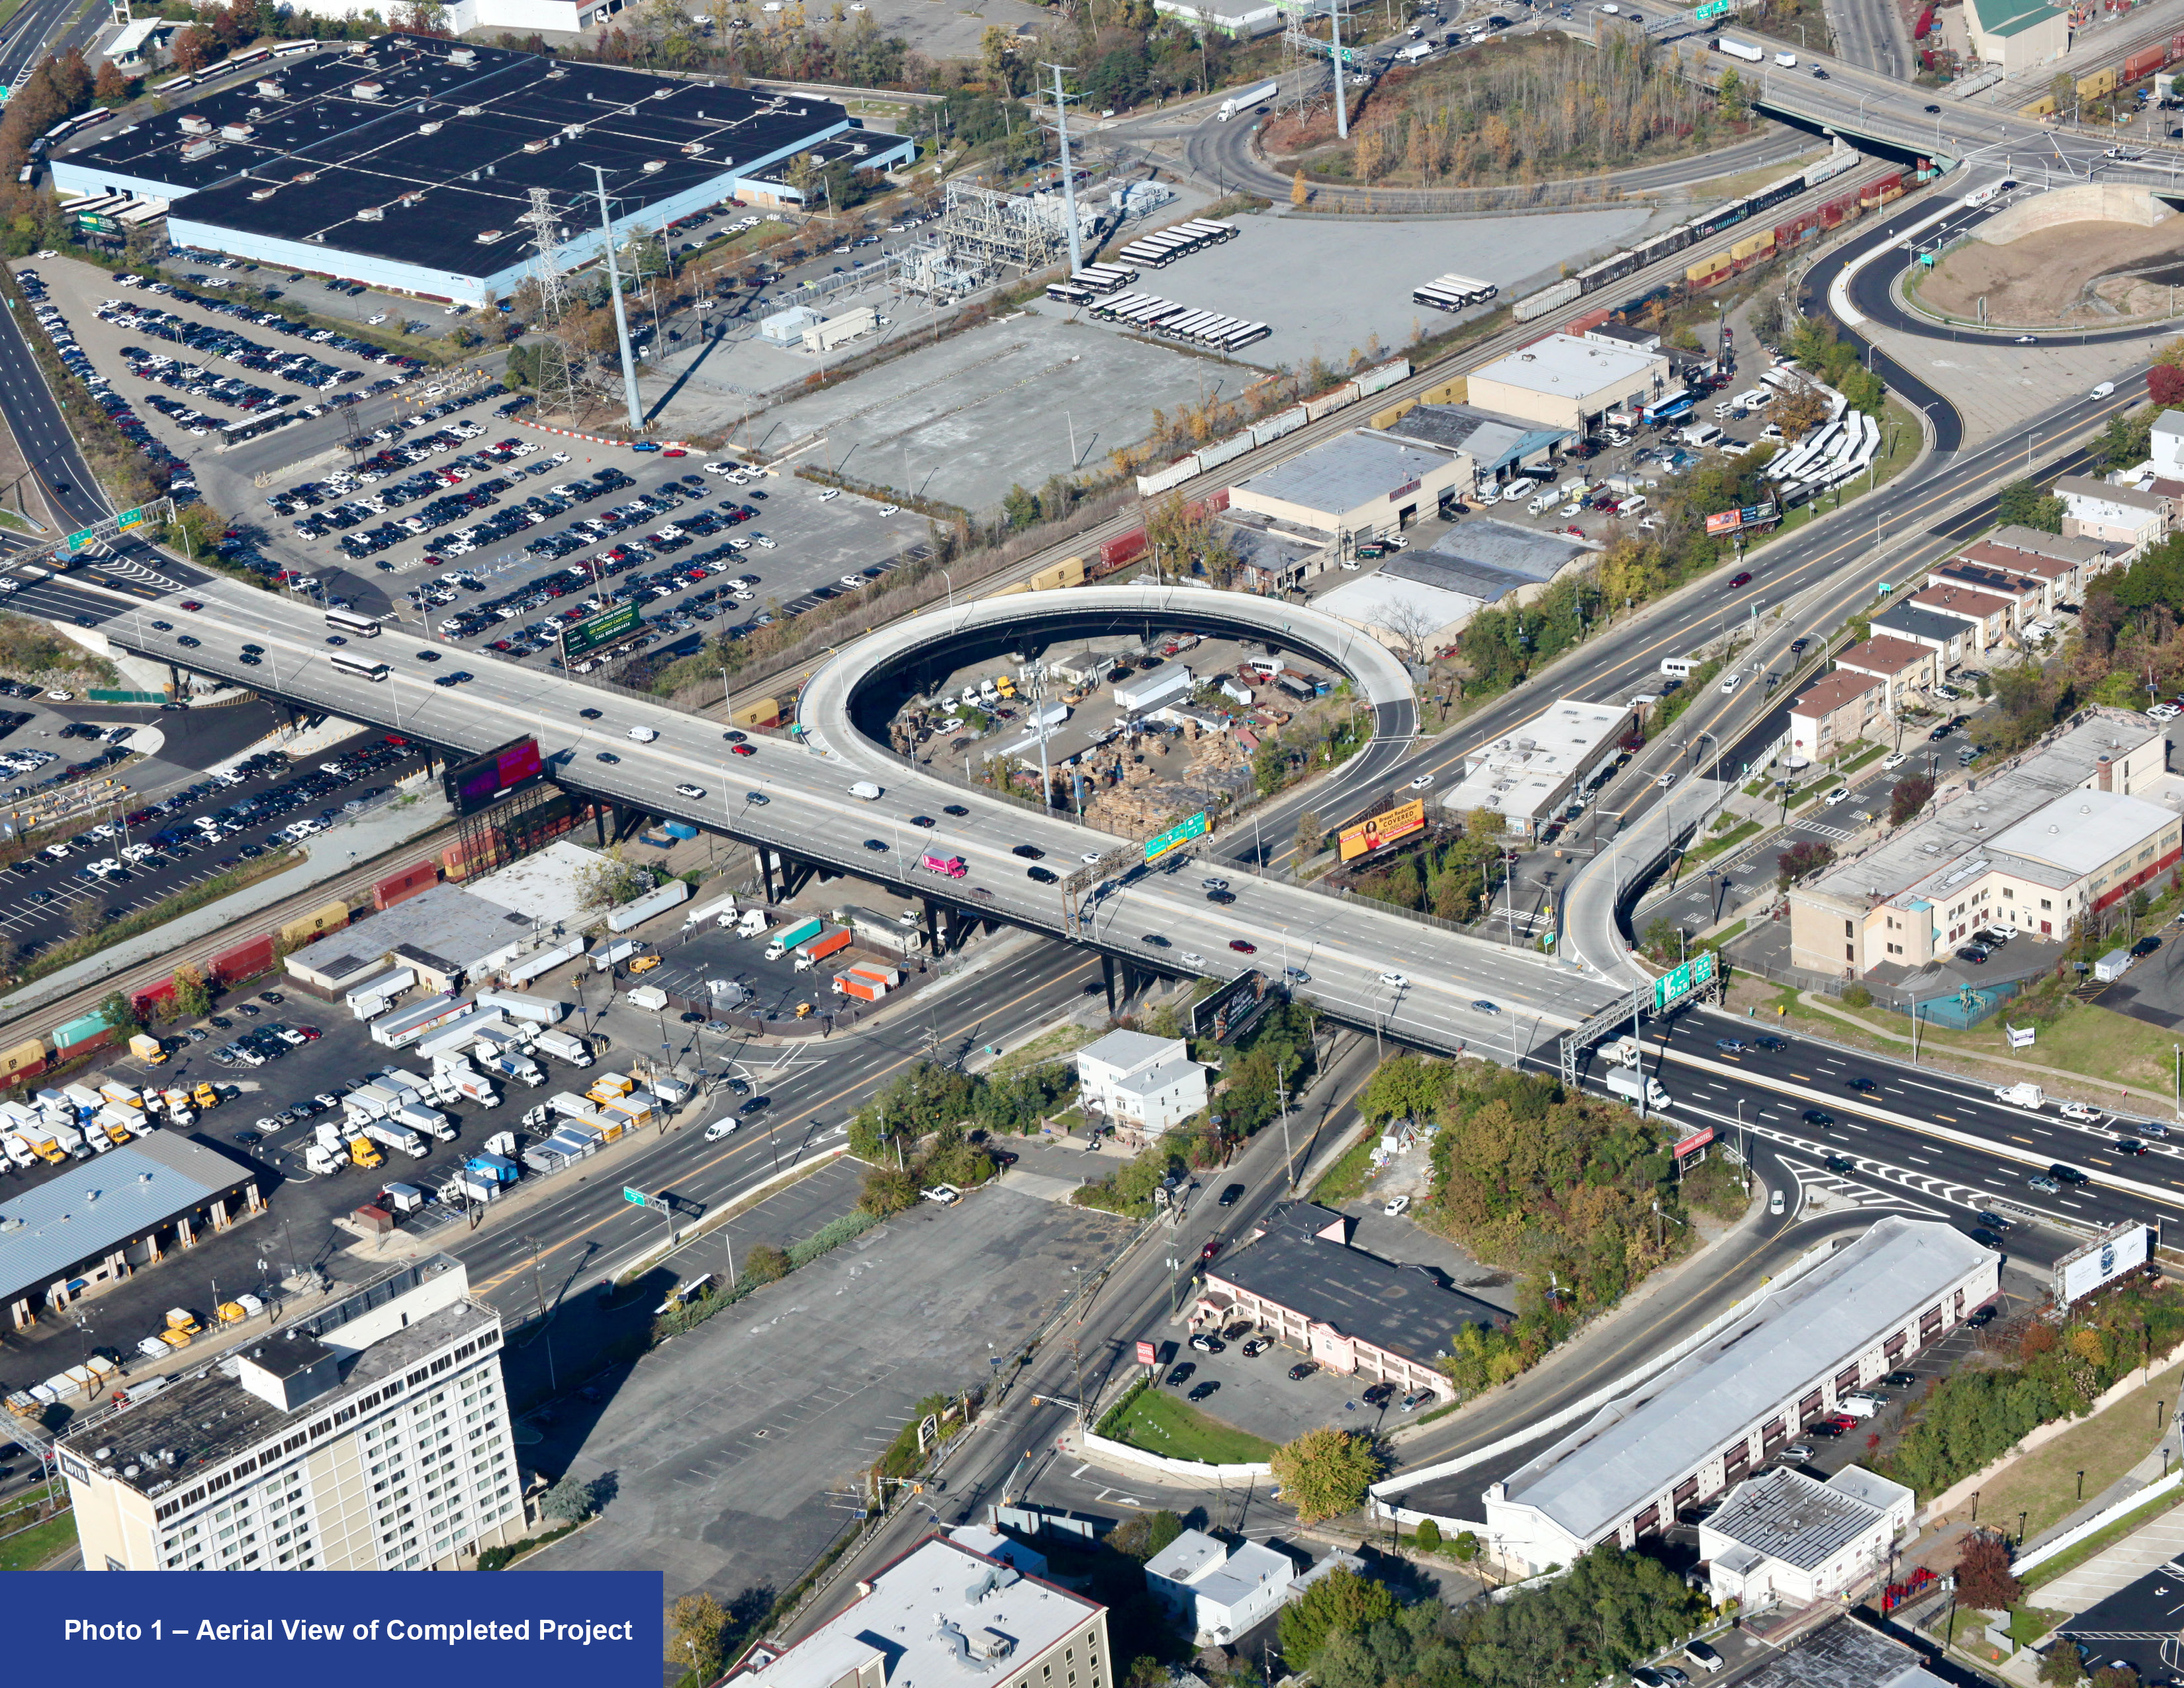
264 422
365 667
347 622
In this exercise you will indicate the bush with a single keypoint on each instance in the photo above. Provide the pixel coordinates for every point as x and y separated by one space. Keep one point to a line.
1429 1537
568 1501
765 1264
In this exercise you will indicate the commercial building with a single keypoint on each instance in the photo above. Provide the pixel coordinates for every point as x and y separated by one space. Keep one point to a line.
2015 35
1498 446
1140 1084
460 16
373 1435
1563 381
1301 1277
105 1218
408 162
2072 826
1696 1429
1216 1593
943 1616
1845 1653
447 935
1532 776
1833 714
1241 18
1419 601
2121 517
1358 484
1782 1535
1904 667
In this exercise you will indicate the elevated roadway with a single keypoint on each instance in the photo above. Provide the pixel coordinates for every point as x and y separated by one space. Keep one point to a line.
1368 965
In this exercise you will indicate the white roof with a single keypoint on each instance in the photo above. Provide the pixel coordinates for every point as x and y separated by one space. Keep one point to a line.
1569 367
1519 775
1151 1081
1378 599
1187 1558
1133 1051
2083 830
1638 1447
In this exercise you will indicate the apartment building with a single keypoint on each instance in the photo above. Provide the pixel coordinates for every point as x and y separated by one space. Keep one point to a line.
373 1435
1990 620
1834 713
1905 668
2119 515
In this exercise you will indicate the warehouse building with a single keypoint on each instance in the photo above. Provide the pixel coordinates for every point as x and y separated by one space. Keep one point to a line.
107 1217
371 1436
447 935
2072 827
1698 1428
1532 776
1421 599
1498 446
1301 1277
1355 485
2015 35
1563 381
1782 1535
408 162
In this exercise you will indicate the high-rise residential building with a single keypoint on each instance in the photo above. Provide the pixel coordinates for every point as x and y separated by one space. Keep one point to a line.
372 1434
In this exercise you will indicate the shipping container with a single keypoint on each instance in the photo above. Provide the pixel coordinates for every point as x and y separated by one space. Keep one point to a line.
818 949
399 1029
380 990
540 1010
523 972
656 902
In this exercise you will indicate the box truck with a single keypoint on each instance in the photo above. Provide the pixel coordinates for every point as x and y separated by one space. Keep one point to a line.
540 1011
1626 1082
562 1046
396 1136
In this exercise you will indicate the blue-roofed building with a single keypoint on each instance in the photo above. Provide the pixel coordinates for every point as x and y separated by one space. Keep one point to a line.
106 1217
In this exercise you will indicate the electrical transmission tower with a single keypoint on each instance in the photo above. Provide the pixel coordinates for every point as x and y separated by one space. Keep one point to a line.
553 280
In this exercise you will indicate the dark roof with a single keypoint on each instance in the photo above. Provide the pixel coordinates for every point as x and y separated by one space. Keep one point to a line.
1490 439
1847 1654
328 149
1405 1310
1910 621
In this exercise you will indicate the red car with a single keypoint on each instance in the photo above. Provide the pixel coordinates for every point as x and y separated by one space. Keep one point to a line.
1238 943
191 603
311 1034
741 750
1210 1250
1742 578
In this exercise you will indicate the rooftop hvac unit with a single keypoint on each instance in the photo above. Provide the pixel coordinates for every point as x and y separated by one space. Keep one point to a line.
573 129
487 237
264 192
534 146
368 91
469 111
463 56
272 90
429 128
372 213
654 166
194 125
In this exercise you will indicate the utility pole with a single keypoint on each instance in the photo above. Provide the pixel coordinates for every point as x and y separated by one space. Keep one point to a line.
621 317
538 1290
1334 54
1068 185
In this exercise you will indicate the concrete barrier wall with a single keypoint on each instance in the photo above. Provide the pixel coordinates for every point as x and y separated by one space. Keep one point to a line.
1195 1470
2087 202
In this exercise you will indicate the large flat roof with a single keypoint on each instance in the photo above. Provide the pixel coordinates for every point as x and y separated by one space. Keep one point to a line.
1570 368
1798 1519
1640 1446
446 928
1845 1654
1491 543
98 1203
2084 830
1347 471
417 149
1490 440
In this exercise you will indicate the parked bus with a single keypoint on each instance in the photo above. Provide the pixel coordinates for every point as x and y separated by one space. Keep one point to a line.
364 668
252 427
347 622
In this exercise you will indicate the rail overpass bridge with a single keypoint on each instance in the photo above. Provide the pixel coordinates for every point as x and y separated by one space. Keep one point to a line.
1373 967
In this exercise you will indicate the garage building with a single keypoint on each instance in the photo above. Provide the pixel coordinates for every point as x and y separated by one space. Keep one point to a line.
1561 382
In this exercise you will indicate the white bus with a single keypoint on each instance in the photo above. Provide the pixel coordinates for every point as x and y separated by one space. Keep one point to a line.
347 622
364 667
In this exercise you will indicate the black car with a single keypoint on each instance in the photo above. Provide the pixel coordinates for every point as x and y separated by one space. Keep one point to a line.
1228 1197
588 714
1773 1043
1819 1119
1840 1163
875 843
1865 1087
1028 852
1900 1379
1974 953
1155 941
954 809
1203 1390
1179 1375
2063 1174
1938 733
248 1140
1982 1319
2129 1145
1044 876
1223 897
1304 1368
2146 946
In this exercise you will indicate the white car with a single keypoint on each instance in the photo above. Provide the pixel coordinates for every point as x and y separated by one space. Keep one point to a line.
1894 759
890 509
718 468
852 581
2164 712
1422 782
2079 1112
1731 682
831 492
720 1127
693 791
1664 781
1397 1207
1774 1203
1191 958
1090 857
1397 980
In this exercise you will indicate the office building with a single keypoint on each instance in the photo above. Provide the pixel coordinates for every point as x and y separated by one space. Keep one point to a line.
373 1435
1563 381
1783 1536
1533 775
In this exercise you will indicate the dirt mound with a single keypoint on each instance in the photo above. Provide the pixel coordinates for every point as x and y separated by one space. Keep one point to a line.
2055 276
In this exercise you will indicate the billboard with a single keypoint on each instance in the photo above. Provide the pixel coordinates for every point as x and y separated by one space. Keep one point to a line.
1696 1141
2101 1261
603 628
1373 832
1733 521
1226 1013
471 786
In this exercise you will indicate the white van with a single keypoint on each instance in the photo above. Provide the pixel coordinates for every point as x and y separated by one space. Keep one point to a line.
1701 436
1677 668
2105 390
1633 506
644 735
865 789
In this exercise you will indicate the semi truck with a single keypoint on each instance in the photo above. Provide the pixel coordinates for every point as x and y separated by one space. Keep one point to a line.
562 1046
1738 49
790 937
540 1011
1247 100
320 1161
1629 1083
750 922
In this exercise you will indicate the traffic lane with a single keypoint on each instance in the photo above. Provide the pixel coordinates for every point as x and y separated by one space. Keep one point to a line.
41 433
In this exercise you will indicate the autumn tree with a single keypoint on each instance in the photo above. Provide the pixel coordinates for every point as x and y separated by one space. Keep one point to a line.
1909 798
1299 193
111 87
1806 856
1325 1473
1983 1581
698 1623
192 995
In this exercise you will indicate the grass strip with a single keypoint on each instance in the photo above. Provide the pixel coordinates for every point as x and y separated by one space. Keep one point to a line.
1158 1422
2048 1570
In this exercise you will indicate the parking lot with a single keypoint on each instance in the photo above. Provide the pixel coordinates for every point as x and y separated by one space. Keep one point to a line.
134 856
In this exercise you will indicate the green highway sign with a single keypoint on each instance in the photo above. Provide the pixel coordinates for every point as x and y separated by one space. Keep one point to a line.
76 542
603 628
129 519
1195 827
1707 13
1679 983
635 1198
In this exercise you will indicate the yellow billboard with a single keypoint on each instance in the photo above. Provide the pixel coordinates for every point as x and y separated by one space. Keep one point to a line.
1376 830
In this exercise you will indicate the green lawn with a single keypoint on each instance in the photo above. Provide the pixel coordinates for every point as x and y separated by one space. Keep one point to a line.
1346 1178
1163 1422
1724 841
26 1550
1872 753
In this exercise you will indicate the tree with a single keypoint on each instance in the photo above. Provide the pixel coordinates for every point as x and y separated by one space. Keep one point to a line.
112 87
1909 798
567 1501
120 1013
1342 1602
87 915
192 995
1983 1575
1144 1534
1311 835
765 1264
2022 502
1325 1473
1806 856
2115 1676
1299 193
1405 1086
698 1622
2062 1668
2164 386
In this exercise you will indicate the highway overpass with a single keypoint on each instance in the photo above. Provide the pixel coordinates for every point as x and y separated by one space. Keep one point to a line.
1368 965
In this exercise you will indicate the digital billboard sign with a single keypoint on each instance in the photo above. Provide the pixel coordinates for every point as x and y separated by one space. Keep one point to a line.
483 780
1376 830
603 628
